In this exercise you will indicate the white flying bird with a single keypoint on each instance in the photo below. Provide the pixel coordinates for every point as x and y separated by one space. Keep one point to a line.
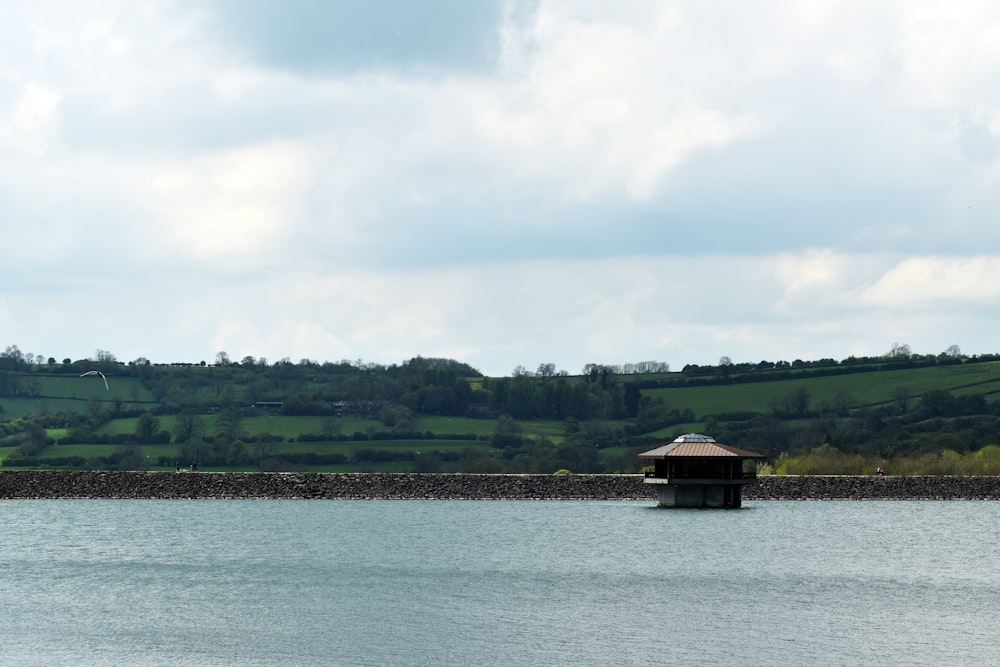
100 375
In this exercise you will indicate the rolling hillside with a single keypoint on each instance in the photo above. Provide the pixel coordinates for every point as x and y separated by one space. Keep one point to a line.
436 417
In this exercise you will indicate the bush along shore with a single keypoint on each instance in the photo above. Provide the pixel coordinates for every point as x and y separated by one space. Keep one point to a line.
413 486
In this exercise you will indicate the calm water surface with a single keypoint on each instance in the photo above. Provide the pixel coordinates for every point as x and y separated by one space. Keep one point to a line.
93 582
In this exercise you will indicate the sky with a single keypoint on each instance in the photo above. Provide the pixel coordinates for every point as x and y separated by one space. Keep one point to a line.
505 183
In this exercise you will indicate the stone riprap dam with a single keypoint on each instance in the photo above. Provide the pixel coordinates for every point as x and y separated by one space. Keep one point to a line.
415 486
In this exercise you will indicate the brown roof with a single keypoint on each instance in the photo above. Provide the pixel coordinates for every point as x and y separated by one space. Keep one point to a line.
695 445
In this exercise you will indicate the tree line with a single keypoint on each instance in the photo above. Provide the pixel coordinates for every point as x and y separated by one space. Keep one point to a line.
604 407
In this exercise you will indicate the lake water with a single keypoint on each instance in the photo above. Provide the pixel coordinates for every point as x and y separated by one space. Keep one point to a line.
91 582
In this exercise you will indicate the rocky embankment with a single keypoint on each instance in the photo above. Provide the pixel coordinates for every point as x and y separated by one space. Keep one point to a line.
167 485
874 488
170 485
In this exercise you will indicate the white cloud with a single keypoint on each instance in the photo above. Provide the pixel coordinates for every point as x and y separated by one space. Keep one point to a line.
233 203
598 109
569 312
818 281
30 124
628 181
950 53
936 282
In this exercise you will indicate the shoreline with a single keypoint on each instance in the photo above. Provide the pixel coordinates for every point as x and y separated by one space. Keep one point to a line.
92 484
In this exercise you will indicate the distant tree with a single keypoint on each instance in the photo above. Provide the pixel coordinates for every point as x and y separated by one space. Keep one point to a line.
265 450
900 351
901 395
427 463
129 458
726 366
438 399
632 397
193 451
95 410
793 404
800 401
937 403
971 404
227 425
397 417
584 458
104 357
499 392
953 351
12 358
237 454
37 436
645 367
614 403
188 425
507 434
222 359
546 371
146 427
522 398
256 391
948 441
843 401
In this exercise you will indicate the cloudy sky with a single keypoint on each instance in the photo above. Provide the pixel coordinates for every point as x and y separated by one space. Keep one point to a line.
503 183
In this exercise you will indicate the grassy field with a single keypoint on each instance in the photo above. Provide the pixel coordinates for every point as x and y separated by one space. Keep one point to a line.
288 427
865 388
170 452
69 393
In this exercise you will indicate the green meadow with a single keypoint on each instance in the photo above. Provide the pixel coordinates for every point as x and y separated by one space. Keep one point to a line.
870 389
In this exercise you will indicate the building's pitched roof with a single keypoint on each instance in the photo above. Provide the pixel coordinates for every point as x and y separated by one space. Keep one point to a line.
695 445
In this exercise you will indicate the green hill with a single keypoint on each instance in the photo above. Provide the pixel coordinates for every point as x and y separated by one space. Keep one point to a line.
441 415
